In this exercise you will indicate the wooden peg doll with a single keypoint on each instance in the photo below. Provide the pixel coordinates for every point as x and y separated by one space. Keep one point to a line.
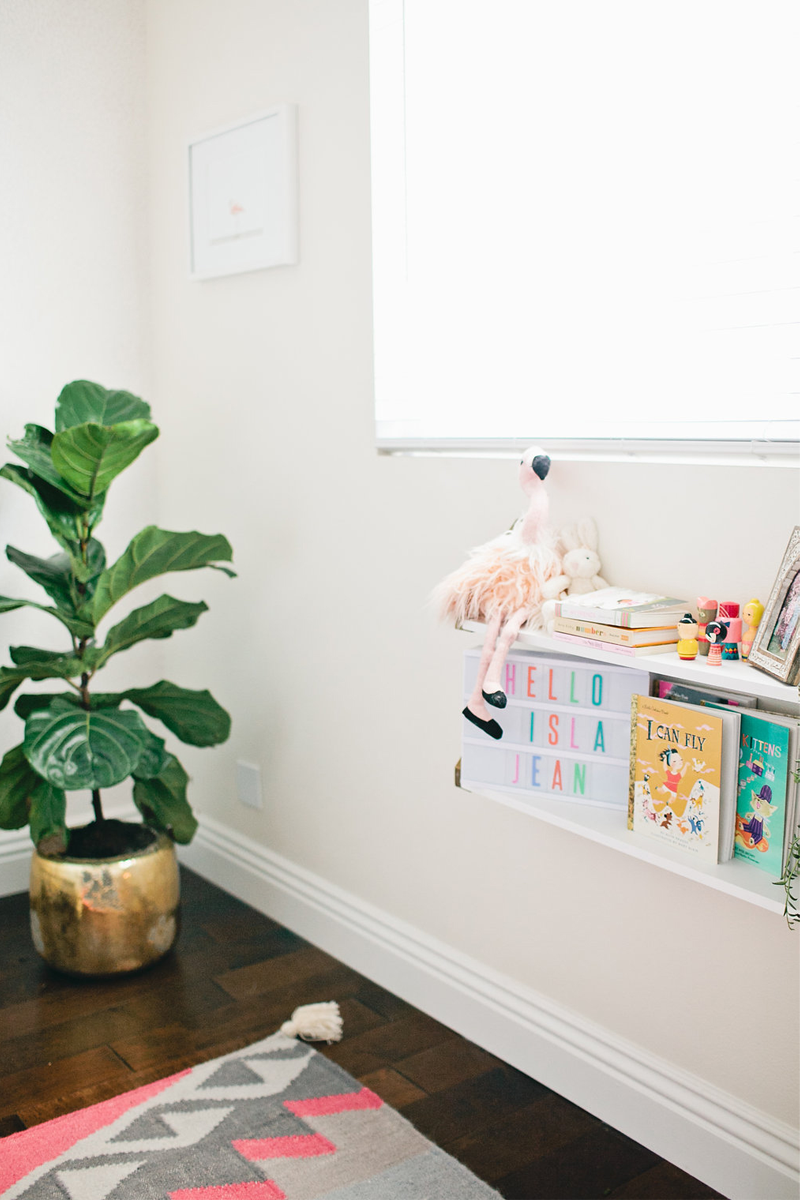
716 633
706 611
687 638
752 613
729 615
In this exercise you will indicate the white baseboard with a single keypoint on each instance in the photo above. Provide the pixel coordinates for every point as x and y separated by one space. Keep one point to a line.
736 1149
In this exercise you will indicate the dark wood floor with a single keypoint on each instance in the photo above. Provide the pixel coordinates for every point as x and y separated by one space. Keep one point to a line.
233 978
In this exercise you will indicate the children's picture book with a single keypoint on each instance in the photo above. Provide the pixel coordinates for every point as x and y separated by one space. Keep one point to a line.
616 633
765 807
620 606
683 774
667 689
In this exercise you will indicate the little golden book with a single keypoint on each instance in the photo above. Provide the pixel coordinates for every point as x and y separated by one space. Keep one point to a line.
676 777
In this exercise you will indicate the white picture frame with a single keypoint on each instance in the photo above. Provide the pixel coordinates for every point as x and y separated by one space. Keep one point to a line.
242 195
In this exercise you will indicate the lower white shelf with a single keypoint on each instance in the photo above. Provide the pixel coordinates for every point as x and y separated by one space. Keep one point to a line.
608 826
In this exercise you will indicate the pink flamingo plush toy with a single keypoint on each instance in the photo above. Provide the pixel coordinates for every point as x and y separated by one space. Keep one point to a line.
501 584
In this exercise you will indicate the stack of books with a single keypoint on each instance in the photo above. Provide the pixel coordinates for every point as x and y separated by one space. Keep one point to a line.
620 621
714 779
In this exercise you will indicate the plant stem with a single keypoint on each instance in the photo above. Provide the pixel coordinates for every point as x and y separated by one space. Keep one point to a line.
97 806
85 677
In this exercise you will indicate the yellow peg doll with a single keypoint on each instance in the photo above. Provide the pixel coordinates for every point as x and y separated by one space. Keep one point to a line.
752 613
687 637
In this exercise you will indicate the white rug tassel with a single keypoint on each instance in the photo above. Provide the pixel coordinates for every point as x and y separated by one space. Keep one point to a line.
315 1023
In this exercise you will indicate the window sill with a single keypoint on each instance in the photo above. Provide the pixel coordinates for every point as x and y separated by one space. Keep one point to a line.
611 450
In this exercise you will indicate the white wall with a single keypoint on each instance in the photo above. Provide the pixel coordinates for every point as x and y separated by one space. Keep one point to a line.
73 249
341 684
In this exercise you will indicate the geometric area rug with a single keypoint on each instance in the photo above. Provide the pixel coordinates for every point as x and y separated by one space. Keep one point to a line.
275 1121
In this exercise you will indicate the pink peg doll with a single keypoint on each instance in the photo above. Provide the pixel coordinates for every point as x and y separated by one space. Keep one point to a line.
501 584
752 613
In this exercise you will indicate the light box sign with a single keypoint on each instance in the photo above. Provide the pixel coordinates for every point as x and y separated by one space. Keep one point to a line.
566 729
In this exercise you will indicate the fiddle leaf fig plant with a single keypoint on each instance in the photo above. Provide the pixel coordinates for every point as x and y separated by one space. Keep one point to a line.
80 738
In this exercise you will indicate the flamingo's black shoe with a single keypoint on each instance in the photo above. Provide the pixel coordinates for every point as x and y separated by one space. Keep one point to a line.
490 727
497 699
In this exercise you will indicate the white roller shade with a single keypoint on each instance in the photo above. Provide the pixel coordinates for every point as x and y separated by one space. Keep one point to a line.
586 219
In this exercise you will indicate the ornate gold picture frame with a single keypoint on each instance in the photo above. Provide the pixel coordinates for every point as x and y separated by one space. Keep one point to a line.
776 646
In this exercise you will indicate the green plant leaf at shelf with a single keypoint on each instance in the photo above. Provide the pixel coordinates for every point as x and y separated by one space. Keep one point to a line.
48 818
17 781
57 666
35 449
159 619
74 748
81 402
90 456
162 801
194 717
156 552
66 518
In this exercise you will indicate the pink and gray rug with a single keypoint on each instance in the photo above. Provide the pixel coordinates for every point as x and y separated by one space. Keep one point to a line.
276 1121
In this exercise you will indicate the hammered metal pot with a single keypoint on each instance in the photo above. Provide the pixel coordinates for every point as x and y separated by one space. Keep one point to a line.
105 916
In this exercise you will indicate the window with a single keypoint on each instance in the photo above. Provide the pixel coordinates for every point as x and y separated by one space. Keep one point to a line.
585 223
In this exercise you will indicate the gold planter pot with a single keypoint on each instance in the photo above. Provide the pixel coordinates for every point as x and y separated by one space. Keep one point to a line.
105 916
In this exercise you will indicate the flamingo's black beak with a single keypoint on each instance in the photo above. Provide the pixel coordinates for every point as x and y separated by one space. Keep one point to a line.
541 465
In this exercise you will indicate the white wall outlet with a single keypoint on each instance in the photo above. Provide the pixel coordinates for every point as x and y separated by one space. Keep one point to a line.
248 784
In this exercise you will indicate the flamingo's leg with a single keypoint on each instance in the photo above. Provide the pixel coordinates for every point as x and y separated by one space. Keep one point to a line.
476 703
506 639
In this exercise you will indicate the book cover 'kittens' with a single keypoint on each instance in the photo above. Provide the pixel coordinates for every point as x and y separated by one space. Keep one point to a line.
676 756
764 768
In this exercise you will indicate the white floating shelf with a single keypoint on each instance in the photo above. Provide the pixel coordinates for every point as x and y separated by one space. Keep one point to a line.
732 676
608 826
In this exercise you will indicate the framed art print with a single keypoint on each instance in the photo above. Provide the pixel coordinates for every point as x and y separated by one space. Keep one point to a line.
243 195
776 646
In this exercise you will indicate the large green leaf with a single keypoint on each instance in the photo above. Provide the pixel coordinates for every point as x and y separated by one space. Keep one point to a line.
154 757
155 552
34 701
77 625
82 401
48 818
194 717
36 450
17 781
53 574
68 581
157 620
162 801
68 520
74 748
90 456
61 666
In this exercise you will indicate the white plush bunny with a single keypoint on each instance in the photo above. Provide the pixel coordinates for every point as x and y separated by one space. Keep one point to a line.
580 563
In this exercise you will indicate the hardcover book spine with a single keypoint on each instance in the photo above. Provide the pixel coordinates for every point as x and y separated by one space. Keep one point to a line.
632 778
577 639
